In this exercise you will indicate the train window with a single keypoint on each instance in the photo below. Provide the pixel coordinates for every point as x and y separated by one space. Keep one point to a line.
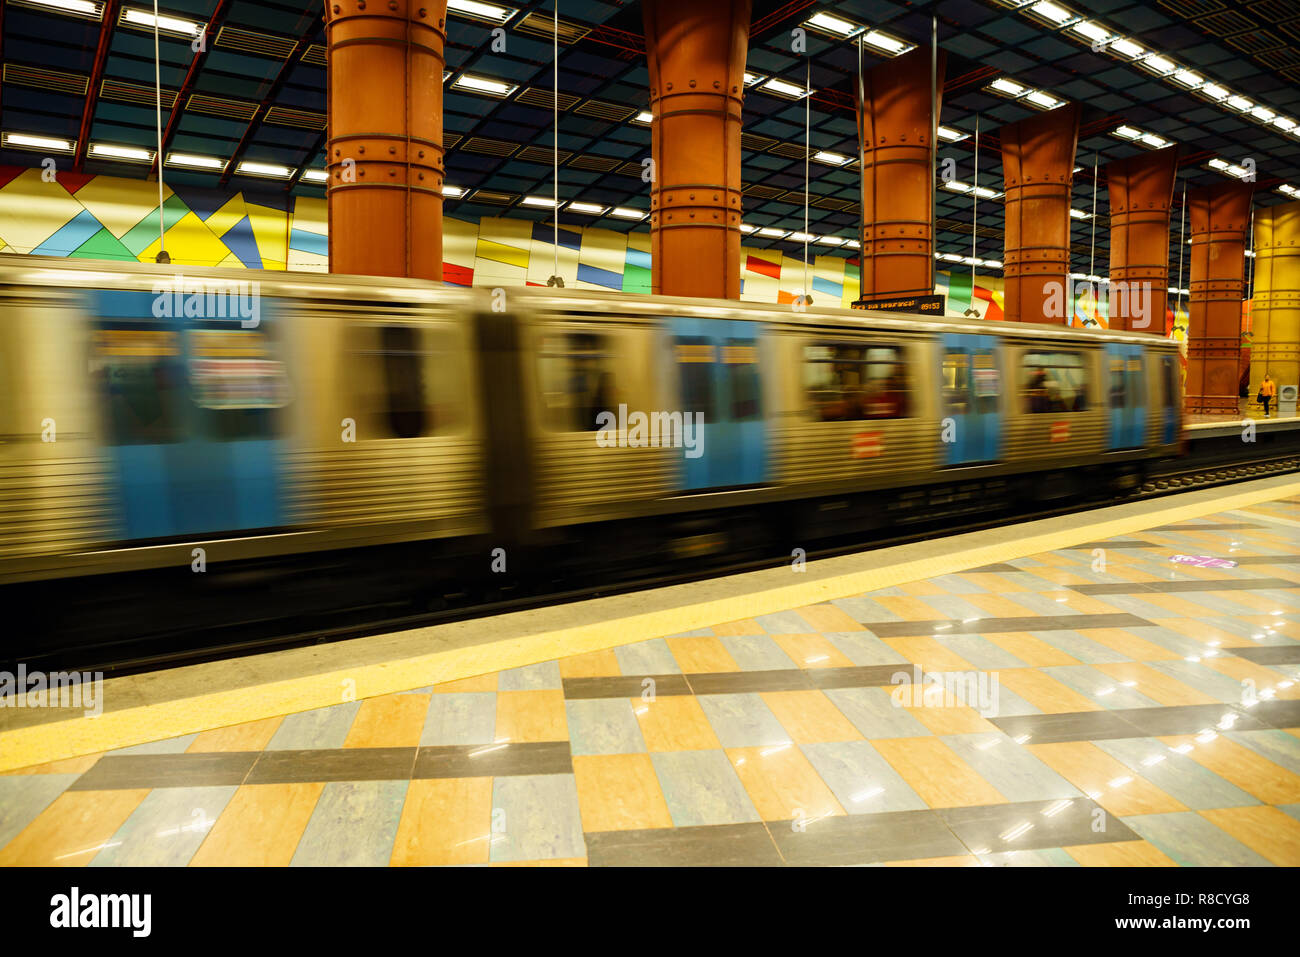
855 381
956 381
1169 373
403 381
406 379
140 375
236 382
740 356
577 372
1054 382
695 357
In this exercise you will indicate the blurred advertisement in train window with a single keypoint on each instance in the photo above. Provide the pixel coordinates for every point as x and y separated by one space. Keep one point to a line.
140 374
236 382
851 382
741 359
1055 382
578 381
695 358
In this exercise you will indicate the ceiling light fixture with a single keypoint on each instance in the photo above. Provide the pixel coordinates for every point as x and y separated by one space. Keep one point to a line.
31 141
452 192
825 23
487 12
951 135
782 88
251 168
830 159
623 212
192 161
483 85
127 153
883 41
541 201
143 20
81 8
315 176
591 209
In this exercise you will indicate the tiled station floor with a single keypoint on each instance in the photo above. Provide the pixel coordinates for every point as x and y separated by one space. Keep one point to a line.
1147 713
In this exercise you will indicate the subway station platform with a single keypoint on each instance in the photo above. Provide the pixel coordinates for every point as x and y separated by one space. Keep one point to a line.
1132 710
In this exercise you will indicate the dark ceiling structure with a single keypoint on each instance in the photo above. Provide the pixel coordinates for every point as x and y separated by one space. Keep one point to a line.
245 108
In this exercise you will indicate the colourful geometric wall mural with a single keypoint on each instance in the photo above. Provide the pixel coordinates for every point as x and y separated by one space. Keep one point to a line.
108 217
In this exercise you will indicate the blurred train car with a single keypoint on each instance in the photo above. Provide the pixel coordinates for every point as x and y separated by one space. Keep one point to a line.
335 437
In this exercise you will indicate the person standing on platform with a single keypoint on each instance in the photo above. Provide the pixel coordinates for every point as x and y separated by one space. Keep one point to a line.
1266 392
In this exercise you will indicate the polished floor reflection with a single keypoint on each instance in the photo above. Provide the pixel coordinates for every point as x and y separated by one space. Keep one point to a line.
1103 705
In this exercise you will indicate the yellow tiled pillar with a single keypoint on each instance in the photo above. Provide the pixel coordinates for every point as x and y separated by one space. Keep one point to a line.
1275 320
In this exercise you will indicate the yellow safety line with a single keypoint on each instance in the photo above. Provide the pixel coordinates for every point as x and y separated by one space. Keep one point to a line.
57 740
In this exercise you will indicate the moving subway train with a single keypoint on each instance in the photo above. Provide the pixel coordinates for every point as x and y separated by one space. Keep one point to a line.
214 420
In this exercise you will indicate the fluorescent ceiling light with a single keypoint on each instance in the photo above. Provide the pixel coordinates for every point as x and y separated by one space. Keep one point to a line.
1215 92
623 212
145 20
1238 171
480 11
82 8
29 141
481 84
1128 133
1188 79
314 175
985 193
1284 123
883 41
1288 190
782 88
957 186
590 208
645 116
1127 47
829 240
771 232
1046 100
801 237
1218 164
752 78
746 228
951 257
830 159
539 201
951 135
1159 64
1090 30
1080 214
108 151
1263 114
192 161
1008 87
452 192
1240 103
1152 140
995 263
826 23
1051 11
263 169
852 244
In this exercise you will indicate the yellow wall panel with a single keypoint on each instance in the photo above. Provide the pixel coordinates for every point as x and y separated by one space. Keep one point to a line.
31 210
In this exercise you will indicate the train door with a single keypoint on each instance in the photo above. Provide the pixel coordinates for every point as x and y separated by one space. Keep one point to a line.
1170 399
971 386
718 381
190 407
1128 416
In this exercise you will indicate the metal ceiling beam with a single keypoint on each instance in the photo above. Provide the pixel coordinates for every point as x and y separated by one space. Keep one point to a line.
106 28
191 76
268 101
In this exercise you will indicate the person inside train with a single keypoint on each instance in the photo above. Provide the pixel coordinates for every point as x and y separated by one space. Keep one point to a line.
1037 390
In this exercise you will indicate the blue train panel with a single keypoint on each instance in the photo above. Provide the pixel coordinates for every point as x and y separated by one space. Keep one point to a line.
1127 402
720 385
971 381
1169 374
191 411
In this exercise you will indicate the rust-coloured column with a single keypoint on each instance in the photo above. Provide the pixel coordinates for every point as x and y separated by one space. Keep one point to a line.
384 155
1275 313
1219 216
1037 169
897 185
696 55
1141 191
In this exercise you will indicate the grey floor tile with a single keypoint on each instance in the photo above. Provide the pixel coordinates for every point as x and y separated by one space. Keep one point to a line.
531 677
24 796
863 648
1176 774
742 720
864 610
165 746
1046 857
460 718
861 780
982 653
319 728
785 623
1279 747
541 818
757 653
873 713
1016 773
1192 841
1079 646
651 657
354 825
1098 687
1216 684
603 726
701 787
166 828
